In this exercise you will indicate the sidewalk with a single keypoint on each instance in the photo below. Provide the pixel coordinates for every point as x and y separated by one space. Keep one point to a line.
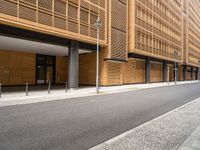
192 142
171 131
17 98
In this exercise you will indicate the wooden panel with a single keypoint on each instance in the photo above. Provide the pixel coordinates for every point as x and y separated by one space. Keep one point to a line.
28 68
156 72
118 43
171 72
134 71
114 73
180 72
17 68
61 69
8 7
118 30
4 67
27 13
87 69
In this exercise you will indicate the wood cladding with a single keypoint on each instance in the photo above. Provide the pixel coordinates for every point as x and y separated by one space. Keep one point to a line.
61 69
17 68
114 73
193 31
118 29
156 72
157 29
180 72
69 18
134 71
87 69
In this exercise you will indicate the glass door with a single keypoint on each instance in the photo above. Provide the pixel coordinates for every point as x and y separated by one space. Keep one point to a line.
40 74
45 69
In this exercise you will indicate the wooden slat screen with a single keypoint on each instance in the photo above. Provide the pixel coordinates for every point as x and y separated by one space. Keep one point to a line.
158 28
156 72
114 73
9 8
65 15
134 71
192 33
17 68
27 13
118 30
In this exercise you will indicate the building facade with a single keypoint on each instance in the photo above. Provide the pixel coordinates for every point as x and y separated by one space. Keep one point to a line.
141 41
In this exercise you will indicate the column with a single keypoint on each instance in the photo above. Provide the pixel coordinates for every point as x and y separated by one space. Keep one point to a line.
73 65
185 72
192 72
147 70
196 74
176 71
165 72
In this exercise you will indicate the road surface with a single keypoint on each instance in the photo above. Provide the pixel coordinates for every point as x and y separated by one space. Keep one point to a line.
81 123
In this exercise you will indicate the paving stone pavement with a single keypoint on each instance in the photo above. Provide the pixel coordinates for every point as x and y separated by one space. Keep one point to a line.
166 132
35 96
192 142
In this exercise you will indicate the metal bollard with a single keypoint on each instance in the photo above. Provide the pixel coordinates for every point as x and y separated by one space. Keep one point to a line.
0 90
66 86
26 89
49 88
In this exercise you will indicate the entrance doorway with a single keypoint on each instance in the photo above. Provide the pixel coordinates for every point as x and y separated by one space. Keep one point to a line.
45 69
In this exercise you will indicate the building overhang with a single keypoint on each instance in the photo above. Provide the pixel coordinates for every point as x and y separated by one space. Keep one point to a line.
24 45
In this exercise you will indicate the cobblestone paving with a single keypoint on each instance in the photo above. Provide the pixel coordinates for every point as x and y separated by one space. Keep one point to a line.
163 133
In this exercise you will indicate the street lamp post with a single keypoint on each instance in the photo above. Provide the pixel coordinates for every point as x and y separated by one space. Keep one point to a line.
175 67
98 25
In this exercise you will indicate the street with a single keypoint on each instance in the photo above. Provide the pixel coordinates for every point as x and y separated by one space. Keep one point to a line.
81 123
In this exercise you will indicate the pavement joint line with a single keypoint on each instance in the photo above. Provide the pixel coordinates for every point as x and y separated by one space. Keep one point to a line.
125 134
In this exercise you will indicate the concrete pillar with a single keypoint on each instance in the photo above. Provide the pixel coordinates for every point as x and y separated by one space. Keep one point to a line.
147 70
73 64
185 72
165 72
198 73
192 72
176 71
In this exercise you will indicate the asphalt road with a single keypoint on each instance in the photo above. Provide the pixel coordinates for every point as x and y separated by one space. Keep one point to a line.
81 123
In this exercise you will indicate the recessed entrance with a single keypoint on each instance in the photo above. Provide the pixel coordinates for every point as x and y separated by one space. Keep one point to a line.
45 69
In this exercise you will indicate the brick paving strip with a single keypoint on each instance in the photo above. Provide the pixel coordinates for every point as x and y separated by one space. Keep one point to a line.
167 132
